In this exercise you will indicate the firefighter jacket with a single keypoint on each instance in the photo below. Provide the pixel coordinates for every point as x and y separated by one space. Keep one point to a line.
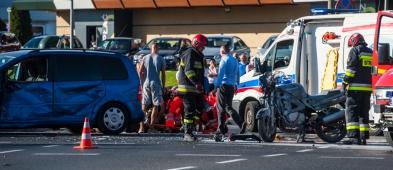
358 73
191 72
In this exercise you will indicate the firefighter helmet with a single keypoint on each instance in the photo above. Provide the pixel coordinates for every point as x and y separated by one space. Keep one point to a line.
356 39
199 40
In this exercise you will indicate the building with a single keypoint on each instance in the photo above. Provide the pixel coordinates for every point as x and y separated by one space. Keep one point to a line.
44 22
252 20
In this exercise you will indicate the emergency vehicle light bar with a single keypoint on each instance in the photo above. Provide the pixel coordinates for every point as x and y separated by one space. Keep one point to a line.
321 11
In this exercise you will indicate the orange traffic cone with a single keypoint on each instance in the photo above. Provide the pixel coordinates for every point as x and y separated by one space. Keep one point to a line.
86 142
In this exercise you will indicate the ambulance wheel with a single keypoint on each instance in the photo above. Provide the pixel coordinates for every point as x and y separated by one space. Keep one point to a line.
112 119
389 136
249 116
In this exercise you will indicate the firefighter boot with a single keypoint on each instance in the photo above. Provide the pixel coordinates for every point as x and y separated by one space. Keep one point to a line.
363 142
352 141
188 136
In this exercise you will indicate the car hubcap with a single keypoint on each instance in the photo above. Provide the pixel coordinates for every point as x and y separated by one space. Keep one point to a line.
114 118
249 118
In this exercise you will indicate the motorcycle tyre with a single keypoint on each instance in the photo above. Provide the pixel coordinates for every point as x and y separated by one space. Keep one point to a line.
322 136
262 125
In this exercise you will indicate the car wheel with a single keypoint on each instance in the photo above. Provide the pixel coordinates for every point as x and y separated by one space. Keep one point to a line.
375 130
112 119
249 116
389 136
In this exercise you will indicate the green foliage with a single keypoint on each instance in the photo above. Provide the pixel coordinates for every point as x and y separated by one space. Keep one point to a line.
21 24
3 26
170 78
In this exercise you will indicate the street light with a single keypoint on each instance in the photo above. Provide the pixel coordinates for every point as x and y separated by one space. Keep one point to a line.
9 16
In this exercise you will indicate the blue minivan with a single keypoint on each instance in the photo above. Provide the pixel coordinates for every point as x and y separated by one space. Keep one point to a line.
59 88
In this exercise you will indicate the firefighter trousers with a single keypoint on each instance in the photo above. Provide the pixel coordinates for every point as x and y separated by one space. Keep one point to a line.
194 106
357 107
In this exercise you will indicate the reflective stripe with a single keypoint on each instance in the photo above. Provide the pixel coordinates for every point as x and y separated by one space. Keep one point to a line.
187 90
351 71
191 75
189 121
353 126
349 74
198 63
197 66
360 87
364 128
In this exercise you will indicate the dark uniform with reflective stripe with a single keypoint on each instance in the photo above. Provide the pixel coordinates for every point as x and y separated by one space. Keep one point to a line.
191 74
358 79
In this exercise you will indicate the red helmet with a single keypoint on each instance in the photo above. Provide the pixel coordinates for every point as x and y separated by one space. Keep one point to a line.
355 39
199 40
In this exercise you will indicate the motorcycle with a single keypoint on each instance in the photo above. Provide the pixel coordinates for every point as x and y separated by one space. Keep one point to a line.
289 108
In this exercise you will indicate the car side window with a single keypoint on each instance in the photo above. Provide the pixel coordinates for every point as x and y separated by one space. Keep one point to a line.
71 68
283 53
113 69
65 43
13 39
77 43
240 43
267 63
35 69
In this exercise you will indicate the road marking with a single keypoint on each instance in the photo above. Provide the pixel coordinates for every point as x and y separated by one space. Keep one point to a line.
187 167
203 155
305 150
49 146
229 161
323 147
67 154
12 151
280 154
328 157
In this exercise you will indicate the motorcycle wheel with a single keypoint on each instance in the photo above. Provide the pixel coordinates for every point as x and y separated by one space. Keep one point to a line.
333 131
267 129
389 137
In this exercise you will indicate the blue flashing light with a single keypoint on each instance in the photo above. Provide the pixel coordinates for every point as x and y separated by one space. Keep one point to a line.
321 11
388 94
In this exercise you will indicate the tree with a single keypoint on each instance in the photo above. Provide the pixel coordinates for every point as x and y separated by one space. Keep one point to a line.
21 24
3 26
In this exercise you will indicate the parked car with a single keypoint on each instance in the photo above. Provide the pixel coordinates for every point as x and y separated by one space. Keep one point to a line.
9 42
262 49
52 42
59 88
170 48
236 45
123 45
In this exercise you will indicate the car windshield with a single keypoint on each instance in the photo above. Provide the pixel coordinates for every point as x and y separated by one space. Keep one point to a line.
4 58
114 44
269 42
33 43
165 44
218 42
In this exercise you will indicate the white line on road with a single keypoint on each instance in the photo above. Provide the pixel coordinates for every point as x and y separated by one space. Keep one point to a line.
328 157
280 154
203 155
305 150
323 147
187 167
67 154
12 151
49 146
229 161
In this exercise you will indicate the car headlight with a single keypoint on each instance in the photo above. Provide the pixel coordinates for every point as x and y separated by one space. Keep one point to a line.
169 57
378 94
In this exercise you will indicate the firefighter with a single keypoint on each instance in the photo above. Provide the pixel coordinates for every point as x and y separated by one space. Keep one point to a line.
357 87
191 80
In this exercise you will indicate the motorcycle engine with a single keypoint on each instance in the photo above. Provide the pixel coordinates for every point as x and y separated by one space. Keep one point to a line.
295 118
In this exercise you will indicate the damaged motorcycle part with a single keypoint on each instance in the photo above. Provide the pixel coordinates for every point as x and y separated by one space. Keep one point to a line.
332 131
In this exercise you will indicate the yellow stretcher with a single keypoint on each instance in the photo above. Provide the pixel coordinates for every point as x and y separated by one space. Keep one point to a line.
329 80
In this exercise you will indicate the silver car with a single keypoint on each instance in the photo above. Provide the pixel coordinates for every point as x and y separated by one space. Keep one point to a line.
266 45
236 45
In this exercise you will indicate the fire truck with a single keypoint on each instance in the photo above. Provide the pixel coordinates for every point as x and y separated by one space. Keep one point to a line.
382 71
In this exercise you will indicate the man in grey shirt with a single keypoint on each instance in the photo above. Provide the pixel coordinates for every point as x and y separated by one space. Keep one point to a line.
152 90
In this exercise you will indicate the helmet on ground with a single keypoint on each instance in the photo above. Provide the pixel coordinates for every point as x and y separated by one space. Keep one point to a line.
356 39
199 40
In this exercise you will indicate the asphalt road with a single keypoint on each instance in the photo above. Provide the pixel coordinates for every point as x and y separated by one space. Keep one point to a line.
54 150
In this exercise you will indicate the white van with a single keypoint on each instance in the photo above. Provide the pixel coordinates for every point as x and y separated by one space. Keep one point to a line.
301 52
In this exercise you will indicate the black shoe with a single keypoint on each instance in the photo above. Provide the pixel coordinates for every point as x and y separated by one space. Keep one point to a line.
363 142
243 128
352 141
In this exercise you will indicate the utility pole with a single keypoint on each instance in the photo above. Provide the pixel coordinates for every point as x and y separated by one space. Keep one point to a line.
386 4
330 4
72 25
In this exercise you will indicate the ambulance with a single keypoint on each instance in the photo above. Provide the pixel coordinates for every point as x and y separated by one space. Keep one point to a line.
302 51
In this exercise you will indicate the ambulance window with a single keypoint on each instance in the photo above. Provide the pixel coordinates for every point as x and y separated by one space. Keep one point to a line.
283 54
267 63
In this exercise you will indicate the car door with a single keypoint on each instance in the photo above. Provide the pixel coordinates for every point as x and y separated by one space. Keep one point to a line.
78 86
27 93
